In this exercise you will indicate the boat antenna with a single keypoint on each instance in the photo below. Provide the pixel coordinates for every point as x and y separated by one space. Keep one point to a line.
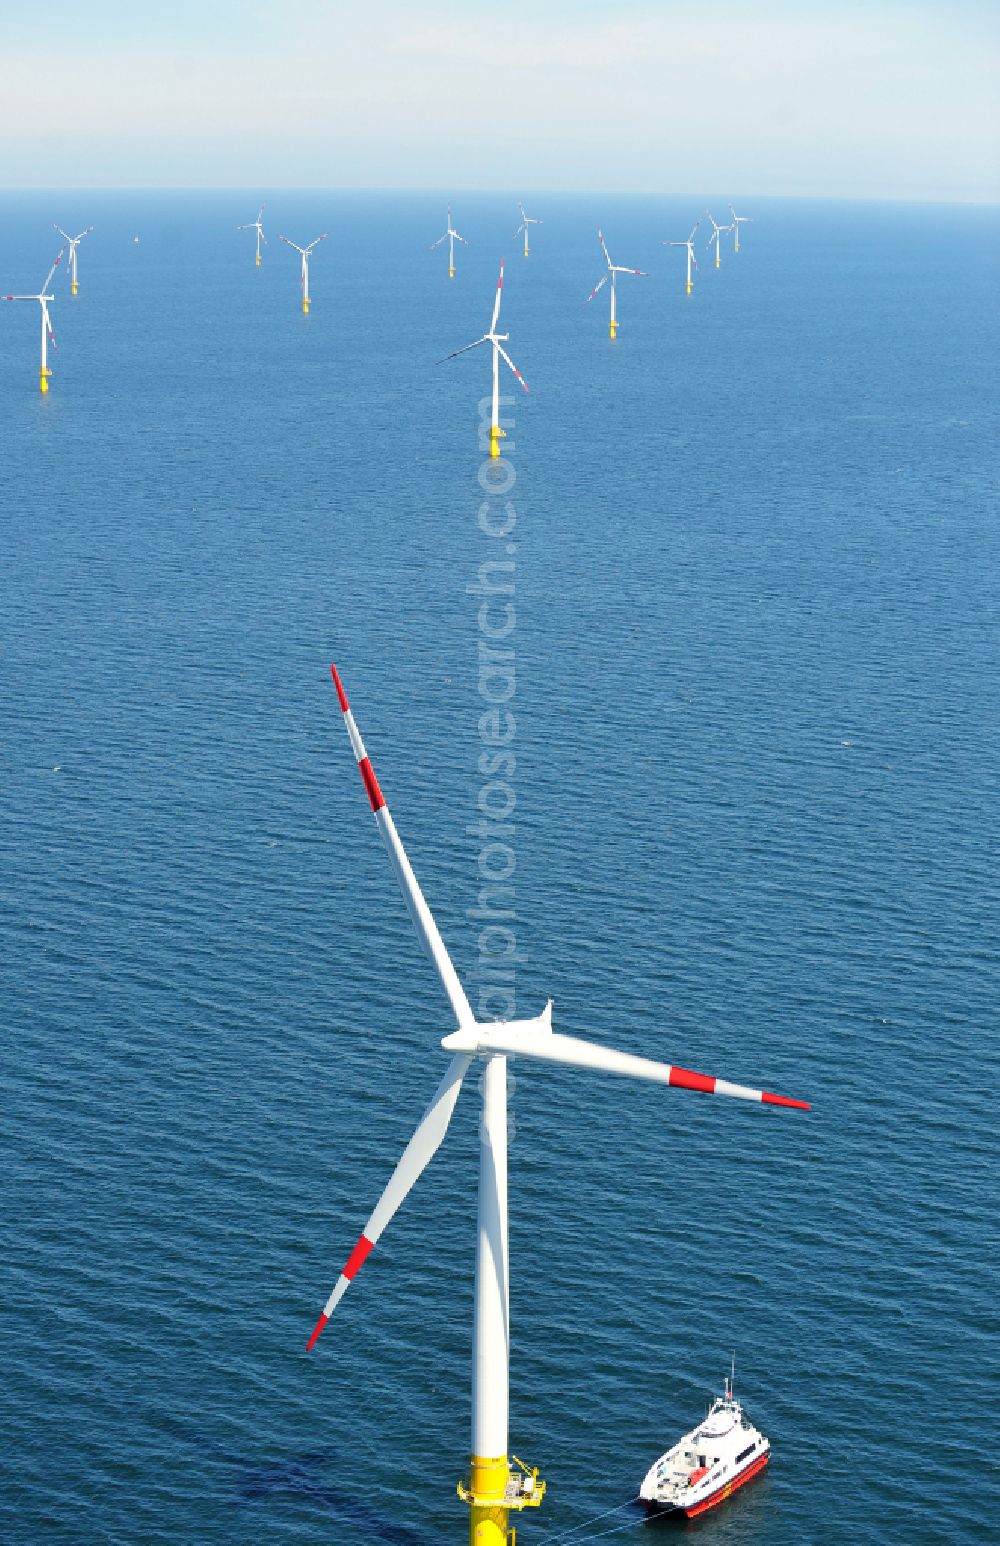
732 1375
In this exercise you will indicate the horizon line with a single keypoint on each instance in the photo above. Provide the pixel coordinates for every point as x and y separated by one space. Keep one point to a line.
979 202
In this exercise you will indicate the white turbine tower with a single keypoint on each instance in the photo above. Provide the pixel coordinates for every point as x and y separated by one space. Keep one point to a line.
450 236
258 226
74 242
526 220
497 340
494 1487
47 333
613 269
718 232
689 244
305 251
738 220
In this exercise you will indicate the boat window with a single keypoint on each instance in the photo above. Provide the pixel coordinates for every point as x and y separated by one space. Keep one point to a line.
745 1452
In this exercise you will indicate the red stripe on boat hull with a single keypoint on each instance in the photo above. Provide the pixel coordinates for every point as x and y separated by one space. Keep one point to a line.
727 1490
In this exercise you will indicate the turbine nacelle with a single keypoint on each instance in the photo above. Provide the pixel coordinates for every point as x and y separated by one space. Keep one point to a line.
480 1039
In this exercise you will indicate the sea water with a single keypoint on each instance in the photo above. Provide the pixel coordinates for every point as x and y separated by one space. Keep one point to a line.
753 564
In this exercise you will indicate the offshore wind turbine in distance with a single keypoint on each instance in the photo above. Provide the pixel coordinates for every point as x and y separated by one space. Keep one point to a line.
74 242
738 220
305 251
493 1487
258 226
718 232
526 220
450 236
689 244
613 269
497 340
47 333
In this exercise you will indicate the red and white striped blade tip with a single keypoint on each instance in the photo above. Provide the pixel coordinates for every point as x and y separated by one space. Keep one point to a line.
316 1332
687 1079
341 694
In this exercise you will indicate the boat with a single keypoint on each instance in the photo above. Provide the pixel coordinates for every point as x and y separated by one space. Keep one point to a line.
708 1464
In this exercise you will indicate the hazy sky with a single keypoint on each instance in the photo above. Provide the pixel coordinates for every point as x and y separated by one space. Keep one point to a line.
842 97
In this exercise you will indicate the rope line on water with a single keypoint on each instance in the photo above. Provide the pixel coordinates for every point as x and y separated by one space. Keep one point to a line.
583 1540
558 1540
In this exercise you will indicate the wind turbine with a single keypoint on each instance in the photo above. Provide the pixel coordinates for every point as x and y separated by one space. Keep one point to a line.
718 231
526 220
47 333
689 244
450 236
258 226
613 269
494 1487
738 220
497 340
305 251
74 242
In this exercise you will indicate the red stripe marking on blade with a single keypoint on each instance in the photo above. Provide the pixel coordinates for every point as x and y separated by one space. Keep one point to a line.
316 1331
784 1100
371 784
689 1081
341 694
358 1257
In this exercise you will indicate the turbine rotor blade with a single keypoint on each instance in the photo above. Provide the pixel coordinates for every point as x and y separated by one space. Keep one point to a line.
549 1047
420 913
417 1155
52 270
600 237
513 367
456 352
599 285
496 303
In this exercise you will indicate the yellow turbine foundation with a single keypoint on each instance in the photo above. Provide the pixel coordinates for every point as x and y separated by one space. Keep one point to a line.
305 307
74 287
43 378
614 329
488 1489
496 435
690 287
258 260
451 273
493 1490
718 261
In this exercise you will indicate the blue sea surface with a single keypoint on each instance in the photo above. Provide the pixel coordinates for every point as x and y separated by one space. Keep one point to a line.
756 570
